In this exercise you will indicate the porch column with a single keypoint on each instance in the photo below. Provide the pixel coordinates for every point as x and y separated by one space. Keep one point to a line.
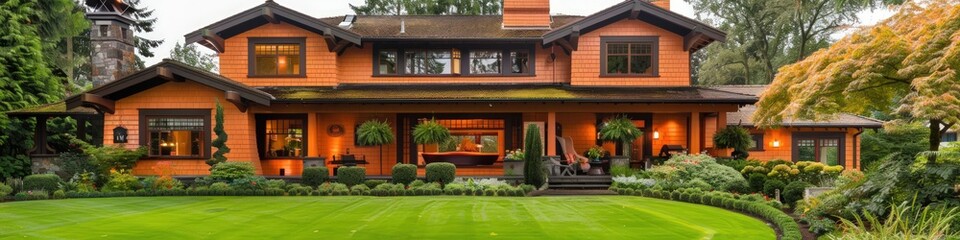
695 133
313 139
551 134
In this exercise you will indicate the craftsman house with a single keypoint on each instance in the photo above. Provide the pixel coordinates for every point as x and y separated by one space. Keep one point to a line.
295 87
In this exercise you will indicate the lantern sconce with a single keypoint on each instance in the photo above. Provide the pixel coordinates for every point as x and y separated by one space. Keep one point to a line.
776 143
656 135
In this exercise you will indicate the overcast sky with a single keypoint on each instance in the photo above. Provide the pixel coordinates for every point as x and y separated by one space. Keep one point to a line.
179 17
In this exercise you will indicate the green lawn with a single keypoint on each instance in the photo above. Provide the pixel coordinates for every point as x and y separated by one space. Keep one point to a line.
383 218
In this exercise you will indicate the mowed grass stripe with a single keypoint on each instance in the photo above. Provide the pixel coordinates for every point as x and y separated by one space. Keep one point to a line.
381 218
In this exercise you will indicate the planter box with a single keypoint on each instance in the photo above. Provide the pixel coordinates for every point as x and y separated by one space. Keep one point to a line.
513 168
812 192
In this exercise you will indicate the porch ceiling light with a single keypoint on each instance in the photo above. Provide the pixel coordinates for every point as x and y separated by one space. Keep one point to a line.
776 143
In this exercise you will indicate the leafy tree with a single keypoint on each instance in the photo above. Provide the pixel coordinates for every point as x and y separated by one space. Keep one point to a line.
428 7
192 56
533 172
906 65
221 142
907 139
375 133
764 35
60 21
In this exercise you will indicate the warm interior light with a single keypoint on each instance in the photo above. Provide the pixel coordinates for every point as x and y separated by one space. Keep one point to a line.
776 143
656 134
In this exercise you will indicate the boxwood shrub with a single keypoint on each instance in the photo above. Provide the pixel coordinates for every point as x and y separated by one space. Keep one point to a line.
314 176
404 173
351 175
46 182
441 172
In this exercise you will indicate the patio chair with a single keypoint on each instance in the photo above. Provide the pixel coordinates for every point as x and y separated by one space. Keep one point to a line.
566 143
559 169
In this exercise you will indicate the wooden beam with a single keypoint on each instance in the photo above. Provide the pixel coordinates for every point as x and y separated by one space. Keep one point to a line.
691 40
635 12
234 97
575 38
166 74
330 39
268 14
213 40
341 46
96 101
565 45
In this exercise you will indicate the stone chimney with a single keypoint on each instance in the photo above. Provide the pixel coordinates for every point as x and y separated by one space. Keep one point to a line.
665 4
526 14
112 51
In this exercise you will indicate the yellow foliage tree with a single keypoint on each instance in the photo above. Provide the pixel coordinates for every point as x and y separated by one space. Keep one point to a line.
906 65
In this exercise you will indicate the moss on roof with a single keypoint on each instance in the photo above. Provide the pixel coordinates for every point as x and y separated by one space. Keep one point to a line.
52 109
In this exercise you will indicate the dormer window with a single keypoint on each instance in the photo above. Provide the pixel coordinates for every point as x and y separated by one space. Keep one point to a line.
277 57
629 56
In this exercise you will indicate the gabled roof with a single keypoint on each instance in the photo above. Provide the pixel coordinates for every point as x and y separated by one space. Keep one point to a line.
102 97
503 93
469 27
744 115
269 12
696 34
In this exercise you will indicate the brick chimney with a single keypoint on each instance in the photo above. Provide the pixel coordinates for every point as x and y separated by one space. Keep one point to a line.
665 4
112 49
526 14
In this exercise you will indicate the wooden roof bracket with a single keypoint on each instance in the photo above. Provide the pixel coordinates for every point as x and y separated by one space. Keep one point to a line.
97 102
269 16
635 12
692 39
165 74
237 100
214 40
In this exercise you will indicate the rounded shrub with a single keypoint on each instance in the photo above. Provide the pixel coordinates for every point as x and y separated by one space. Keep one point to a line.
404 173
441 172
756 180
373 183
5 190
46 182
351 175
314 176
793 192
770 187
229 171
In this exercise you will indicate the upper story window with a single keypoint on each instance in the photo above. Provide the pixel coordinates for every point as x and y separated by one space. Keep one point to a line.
629 56
176 133
277 57
452 61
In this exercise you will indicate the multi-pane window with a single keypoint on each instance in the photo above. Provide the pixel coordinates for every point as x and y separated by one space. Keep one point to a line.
176 136
826 150
387 62
472 142
756 142
428 62
448 61
486 62
629 56
949 137
282 135
277 59
284 138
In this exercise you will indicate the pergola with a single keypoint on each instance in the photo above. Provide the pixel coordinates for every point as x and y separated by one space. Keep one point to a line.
42 113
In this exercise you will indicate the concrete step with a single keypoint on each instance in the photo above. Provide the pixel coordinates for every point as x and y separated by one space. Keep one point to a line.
579 186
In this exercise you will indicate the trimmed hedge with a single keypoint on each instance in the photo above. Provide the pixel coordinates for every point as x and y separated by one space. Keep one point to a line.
314 176
788 228
404 173
46 182
441 172
351 175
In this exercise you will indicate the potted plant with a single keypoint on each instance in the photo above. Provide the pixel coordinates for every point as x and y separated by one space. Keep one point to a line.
375 133
594 154
733 137
430 132
620 130
513 162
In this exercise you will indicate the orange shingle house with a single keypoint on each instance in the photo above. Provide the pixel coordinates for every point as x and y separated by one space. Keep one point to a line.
296 87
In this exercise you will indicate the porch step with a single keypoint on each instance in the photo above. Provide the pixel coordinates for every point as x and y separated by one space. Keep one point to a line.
568 192
579 186
580 182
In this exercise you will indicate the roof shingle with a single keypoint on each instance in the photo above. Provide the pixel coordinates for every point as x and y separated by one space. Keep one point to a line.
744 115
442 27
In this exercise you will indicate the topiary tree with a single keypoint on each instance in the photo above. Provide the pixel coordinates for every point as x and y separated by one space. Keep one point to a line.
314 176
375 133
736 138
620 130
533 166
221 142
430 132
